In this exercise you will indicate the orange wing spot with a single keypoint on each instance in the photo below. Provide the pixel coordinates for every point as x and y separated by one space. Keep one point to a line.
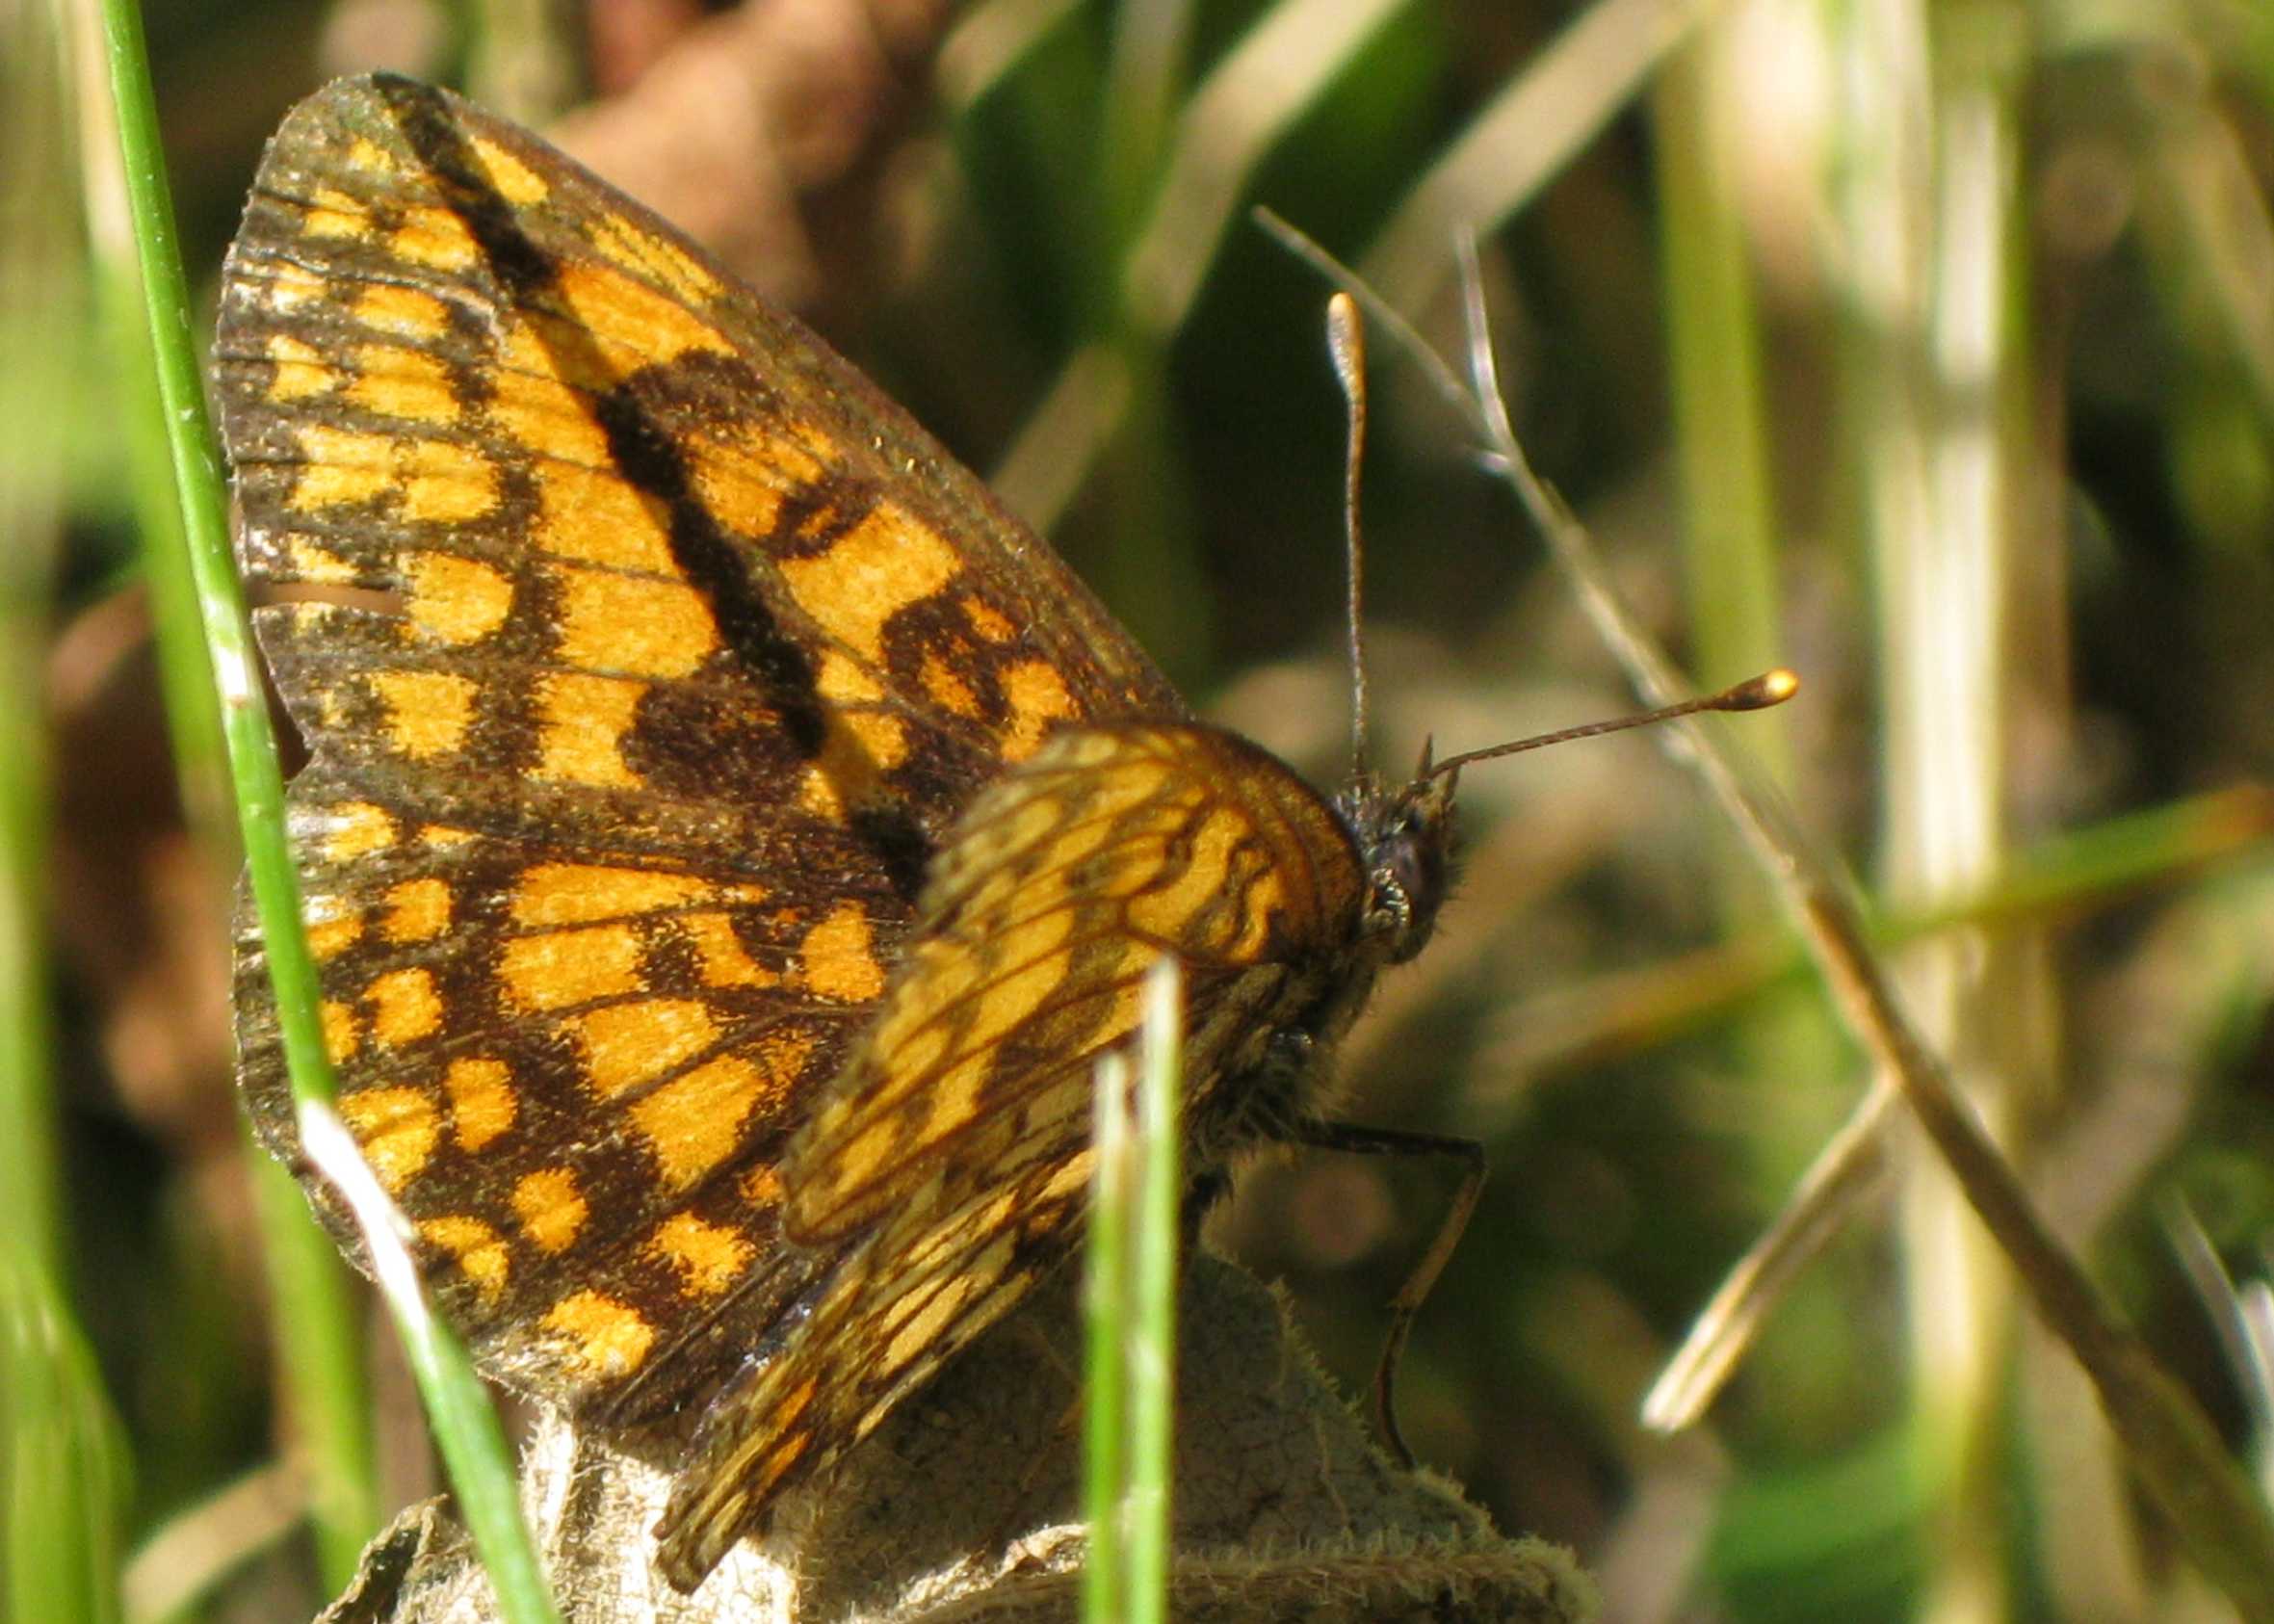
482 1102
613 622
441 482
444 483
435 238
443 835
407 384
724 960
333 926
458 600
947 688
341 1039
550 1208
762 1186
883 739
515 181
353 828
845 681
606 1338
888 560
539 411
695 1122
837 958
285 288
741 476
340 467
309 562
627 1044
988 621
335 214
406 1005
1039 696
368 156
708 1256
634 326
418 910
597 517
406 312
428 712
480 1250
300 371
397 1128
555 894
563 968
860 748
581 723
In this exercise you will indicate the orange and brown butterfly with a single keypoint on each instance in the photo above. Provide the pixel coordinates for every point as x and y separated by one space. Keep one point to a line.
729 839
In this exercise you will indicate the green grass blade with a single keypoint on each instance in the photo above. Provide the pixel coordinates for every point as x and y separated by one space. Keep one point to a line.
1104 1388
1130 1298
62 1464
1153 1281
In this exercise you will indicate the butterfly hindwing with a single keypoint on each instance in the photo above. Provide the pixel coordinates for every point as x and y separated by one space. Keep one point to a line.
950 1162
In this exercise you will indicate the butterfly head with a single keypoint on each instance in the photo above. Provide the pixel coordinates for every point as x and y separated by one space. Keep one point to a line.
1404 837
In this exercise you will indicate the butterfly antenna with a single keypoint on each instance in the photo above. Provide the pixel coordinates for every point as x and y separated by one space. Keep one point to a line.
1346 345
1758 693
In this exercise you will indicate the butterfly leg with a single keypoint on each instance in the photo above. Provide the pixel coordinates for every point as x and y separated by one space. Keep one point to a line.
1355 1141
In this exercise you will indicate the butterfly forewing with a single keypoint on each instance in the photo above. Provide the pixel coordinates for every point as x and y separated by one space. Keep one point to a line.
644 654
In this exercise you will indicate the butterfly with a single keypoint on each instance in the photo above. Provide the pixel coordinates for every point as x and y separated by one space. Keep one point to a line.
729 839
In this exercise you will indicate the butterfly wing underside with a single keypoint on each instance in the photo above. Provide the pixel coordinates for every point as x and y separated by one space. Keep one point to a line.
645 654
950 1162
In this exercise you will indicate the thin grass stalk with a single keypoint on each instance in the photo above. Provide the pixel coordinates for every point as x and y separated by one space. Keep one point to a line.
1152 574
1129 1296
318 1326
1152 1349
1144 73
1699 103
186 1558
1108 1314
1234 118
1231 122
1713 352
1926 208
1523 136
323 1372
465 1428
